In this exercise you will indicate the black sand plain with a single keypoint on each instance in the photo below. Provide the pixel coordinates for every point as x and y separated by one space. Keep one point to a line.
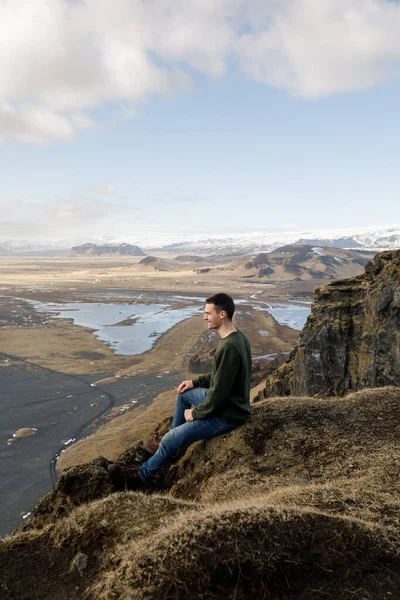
61 408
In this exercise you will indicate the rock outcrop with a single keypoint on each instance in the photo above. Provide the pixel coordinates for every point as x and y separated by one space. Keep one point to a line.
108 250
201 363
351 339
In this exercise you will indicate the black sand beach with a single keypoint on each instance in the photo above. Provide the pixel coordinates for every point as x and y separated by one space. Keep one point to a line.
62 408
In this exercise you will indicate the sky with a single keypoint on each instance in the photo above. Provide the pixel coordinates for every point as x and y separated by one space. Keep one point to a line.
139 120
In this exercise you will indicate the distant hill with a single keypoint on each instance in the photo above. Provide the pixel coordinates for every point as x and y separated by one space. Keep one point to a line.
189 258
300 263
107 250
344 242
151 263
249 243
32 250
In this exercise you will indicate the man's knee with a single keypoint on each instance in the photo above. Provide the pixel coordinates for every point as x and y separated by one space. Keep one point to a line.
180 399
170 440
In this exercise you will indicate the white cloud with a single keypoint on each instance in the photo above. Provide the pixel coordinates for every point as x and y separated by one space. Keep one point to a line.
58 219
317 48
34 124
62 58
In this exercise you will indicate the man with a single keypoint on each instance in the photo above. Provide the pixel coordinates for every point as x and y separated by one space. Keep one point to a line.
210 405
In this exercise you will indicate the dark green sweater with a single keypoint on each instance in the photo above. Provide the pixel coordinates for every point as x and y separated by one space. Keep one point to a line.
228 398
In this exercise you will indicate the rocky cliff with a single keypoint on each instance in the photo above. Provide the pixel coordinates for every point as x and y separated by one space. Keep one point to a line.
352 337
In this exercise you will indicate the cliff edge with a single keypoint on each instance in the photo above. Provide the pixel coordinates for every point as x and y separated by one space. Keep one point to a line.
351 339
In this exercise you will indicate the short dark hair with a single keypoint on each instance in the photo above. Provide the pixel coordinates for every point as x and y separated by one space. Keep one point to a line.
222 302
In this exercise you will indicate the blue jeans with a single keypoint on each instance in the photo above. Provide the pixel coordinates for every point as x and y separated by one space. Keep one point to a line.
183 433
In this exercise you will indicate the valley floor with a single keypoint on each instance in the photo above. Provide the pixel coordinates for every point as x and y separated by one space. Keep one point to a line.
68 388
301 502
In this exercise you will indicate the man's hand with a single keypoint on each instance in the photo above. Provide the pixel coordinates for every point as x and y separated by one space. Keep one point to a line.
188 414
185 386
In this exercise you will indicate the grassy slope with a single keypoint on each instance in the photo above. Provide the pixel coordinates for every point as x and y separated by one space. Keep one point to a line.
302 502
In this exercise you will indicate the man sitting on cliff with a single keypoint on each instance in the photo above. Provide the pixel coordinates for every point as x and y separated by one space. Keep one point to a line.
210 405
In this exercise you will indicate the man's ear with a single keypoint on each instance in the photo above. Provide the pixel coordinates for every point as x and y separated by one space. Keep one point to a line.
222 314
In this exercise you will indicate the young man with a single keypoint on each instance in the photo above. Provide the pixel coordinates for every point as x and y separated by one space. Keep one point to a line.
210 405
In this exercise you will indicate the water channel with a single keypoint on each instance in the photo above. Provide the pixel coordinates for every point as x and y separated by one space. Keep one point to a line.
133 327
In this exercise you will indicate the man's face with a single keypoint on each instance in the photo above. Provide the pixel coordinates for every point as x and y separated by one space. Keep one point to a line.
214 319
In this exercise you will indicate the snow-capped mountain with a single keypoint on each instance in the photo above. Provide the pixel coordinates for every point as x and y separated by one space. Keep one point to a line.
228 243
379 239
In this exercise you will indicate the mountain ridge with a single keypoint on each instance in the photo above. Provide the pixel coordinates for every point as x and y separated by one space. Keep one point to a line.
107 250
295 262
378 238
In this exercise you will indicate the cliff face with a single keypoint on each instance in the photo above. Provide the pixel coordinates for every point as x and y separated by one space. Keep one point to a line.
352 337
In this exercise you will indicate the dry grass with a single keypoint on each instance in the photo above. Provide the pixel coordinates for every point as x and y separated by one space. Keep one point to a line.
135 546
108 272
297 441
62 347
113 438
301 503
250 550
115 520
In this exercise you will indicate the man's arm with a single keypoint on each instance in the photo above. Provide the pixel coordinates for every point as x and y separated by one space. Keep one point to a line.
219 393
202 381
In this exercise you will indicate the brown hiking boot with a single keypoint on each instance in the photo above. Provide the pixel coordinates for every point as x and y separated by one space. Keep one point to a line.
125 478
150 446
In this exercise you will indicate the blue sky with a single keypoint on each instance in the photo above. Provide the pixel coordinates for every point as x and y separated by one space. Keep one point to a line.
222 146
